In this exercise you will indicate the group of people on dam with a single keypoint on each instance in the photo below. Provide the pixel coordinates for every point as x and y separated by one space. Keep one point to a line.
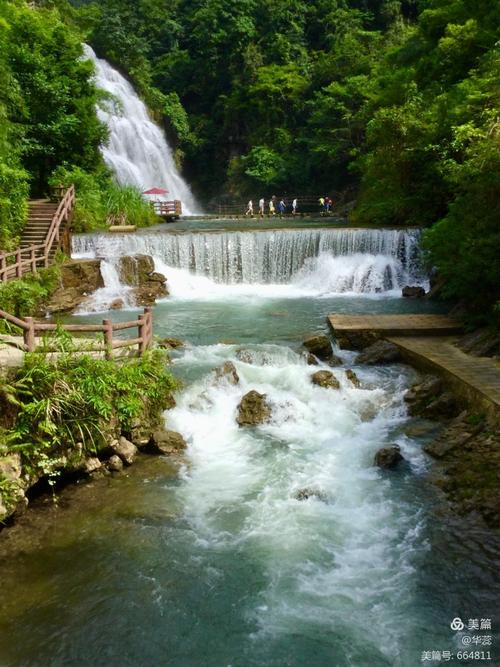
282 206
274 206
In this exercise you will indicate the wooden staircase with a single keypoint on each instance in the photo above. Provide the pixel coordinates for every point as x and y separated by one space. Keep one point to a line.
47 230
41 212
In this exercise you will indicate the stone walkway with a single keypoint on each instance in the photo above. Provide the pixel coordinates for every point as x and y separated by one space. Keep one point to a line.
480 374
394 325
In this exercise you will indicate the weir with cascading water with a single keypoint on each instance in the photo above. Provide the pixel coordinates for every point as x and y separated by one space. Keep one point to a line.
290 263
137 151
268 546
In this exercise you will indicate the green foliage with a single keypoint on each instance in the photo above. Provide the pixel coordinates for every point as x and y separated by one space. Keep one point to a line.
53 117
25 296
72 400
101 202
13 204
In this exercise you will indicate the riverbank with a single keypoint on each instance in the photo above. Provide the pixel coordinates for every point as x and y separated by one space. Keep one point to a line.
463 393
71 416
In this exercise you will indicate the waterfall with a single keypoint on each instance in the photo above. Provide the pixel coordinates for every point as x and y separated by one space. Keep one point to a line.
137 151
319 261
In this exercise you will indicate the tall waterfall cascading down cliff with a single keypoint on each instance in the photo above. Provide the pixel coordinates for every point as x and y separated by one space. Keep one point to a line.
294 262
137 151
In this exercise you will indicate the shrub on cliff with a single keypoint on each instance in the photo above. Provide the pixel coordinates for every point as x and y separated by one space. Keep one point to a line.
73 399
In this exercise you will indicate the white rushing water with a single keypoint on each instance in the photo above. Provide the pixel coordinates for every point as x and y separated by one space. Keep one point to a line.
279 263
137 151
340 561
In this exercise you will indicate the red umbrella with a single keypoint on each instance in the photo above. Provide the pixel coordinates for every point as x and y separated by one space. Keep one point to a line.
155 191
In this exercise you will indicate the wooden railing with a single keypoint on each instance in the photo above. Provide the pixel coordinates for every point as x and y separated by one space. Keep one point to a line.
33 330
168 209
27 260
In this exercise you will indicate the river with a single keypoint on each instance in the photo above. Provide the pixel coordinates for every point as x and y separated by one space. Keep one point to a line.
212 561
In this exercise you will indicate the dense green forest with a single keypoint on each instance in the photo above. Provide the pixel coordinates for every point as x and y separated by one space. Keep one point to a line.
395 102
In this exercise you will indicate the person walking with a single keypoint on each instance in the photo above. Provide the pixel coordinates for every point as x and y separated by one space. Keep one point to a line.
272 210
294 206
249 210
261 207
282 207
322 205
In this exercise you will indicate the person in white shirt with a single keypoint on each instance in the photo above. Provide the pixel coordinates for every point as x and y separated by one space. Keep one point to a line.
294 206
261 207
249 210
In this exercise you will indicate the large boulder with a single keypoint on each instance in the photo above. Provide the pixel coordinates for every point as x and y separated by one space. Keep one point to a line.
422 393
380 352
388 457
320 347
227 373
253 409
325 379
138 271
164 441
125 449
78 279
413 292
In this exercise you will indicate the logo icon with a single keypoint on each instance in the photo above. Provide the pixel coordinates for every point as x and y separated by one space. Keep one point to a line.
457 624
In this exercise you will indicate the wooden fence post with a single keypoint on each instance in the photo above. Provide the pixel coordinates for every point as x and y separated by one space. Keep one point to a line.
29 334
19 268
108 338
148 316
141 326
33 261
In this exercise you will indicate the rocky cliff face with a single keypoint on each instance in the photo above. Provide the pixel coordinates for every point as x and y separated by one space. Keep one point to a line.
78 279
138 271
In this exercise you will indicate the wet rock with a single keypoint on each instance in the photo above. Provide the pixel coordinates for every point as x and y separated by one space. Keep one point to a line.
311 359
125 449
171 343
413 292
388 457
381 352
354 340
353 378
325 379
319 345
227 373
78 279
245 356
481 343
117 304
90 465
134 270
444 406
253 409
422 393
164 442
306 493
138 271
115 464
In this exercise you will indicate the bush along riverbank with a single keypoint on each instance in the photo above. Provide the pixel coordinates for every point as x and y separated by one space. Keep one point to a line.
69 417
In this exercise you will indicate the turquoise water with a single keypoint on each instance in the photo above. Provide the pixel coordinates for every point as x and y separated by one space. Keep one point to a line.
211 561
